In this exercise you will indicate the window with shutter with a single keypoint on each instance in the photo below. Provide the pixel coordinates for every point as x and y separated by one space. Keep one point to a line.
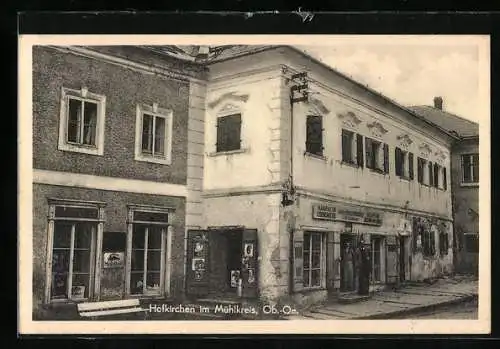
228 133
436 175
386 158
347 146
410 165
359 150
397 157
445 179
314 135
369 153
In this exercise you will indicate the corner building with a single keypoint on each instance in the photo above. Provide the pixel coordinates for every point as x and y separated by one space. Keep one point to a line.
357 168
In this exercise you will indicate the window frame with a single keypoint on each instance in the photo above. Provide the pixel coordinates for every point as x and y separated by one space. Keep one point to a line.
473 181
217 127
94 253
354 153
428 247
377 161
165 250
406 165
155 112
322 267
85 96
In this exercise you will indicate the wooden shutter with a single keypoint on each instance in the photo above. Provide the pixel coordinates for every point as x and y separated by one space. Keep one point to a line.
250 265
397 157
475 167
392 261
359 150
386 158
197 273
420 170
431 176
445 179
345 146
410 164
436 175
298 260
369 153
330 261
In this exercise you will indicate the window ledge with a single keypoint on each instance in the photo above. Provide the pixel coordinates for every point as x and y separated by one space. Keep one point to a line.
312 289
406 179
229 152
152 159
350 164
84 149
377 171
315 156
472 185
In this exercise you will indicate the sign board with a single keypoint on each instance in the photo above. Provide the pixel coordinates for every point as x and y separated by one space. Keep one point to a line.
114 259
333 213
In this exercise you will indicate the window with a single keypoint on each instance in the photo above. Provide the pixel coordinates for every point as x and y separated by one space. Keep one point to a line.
377 155
425 172
228 133
72 239
153 134
403 163
81 126
470 168
428 243
147 251
471 243
313 259
314 135
352 148
445 179
436 171
443 244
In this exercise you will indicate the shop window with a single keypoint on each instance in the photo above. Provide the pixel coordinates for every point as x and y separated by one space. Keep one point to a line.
352 148
470 168
313 259
428 243
154 134
377 157
314 135
72 239
148 247
228 133
471 243
443 244
82 121
403 163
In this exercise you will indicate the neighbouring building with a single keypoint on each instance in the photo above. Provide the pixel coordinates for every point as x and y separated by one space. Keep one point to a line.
118 138
291 188
464 182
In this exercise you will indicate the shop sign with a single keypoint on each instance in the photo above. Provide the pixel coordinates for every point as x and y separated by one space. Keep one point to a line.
332 213
113 259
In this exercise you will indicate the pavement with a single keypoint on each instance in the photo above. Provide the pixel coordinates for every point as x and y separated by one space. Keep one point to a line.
410 299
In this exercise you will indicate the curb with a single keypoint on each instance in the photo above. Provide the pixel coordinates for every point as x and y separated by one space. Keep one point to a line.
414 310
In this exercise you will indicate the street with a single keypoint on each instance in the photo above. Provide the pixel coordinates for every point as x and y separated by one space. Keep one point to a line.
467 310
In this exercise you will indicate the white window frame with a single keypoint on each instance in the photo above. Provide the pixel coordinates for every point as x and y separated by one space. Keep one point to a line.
166 251
475 181
95 253
84 95
322 260
154 110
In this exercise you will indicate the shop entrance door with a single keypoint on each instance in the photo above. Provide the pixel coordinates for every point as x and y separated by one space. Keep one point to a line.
112 283
347 270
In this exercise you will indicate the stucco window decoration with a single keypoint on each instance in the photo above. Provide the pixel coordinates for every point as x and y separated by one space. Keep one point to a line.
404 141
316 107
81 124
425 150
349 120
153 139
377 130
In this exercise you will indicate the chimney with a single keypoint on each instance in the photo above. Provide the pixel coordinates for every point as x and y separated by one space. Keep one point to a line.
438 103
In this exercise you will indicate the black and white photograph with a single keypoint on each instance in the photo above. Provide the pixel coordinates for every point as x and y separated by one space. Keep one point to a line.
243 181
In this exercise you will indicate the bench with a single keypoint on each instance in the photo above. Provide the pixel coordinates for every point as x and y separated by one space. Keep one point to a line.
123 306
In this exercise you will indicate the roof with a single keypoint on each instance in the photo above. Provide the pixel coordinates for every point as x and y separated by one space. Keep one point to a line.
453 123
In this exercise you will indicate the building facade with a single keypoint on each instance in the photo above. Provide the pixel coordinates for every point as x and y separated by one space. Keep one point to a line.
289 204
464 183
117 167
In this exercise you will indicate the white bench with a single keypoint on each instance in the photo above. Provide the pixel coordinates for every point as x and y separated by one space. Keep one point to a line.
123 306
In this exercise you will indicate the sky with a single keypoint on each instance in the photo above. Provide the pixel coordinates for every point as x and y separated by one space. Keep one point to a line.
412 74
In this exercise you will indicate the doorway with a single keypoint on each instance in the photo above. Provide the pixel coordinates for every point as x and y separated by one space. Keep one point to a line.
402 259
233 247
348 268
113 265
